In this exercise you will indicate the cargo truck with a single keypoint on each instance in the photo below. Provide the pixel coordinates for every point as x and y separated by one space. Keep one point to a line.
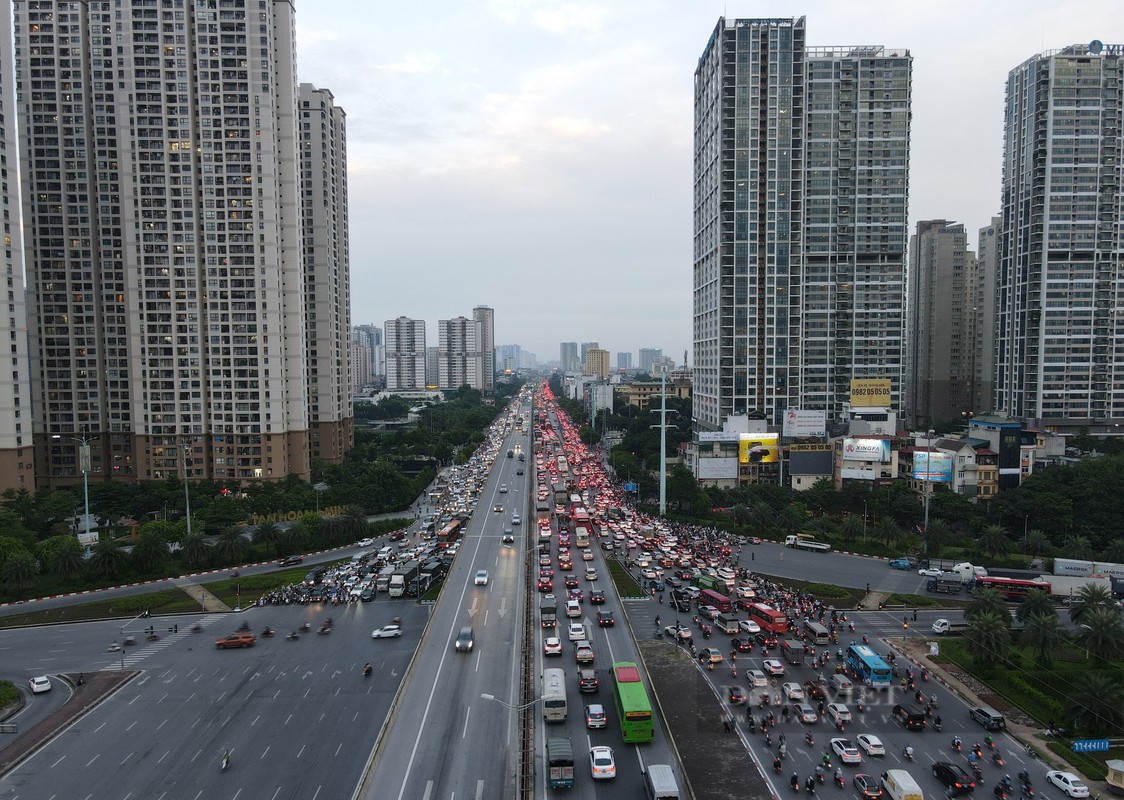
801 542
1067 586
548 612
943 626
401 578
382 582
793 650
946 584
560 763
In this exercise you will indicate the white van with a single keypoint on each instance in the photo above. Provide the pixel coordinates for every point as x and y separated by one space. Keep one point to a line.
900 785
659 783
841 684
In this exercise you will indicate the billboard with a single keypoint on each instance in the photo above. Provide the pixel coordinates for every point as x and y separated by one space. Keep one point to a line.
932 467
800 422
717 436
725 468
758 448
867 450
870 392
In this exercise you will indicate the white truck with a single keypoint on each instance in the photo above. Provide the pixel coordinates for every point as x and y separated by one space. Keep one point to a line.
1065 586
801 542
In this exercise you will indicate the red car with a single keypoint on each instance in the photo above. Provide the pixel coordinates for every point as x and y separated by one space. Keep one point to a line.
546 585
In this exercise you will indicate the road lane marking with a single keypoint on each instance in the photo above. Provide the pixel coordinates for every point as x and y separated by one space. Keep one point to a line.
467 714
162 724
287 719
265 751
92 760
479 790
255 722
338 748
131 726
58 762
299 752
276 793
164 756
428 790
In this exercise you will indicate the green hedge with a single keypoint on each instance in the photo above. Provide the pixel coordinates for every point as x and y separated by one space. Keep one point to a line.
9 694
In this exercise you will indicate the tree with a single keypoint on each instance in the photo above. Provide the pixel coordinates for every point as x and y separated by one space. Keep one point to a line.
1078 547
1101 634
993 541
1089 598
1115 551
63 557
195 550
1097 708
356 522
1037 603
231 547
682 488
150 551
109 559
986 601
936 536
851 528
887 531
1036 543
295 539
20 572
988 640
267 534
1044 635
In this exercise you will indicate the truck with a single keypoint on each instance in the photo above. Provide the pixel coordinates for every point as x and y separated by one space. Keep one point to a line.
793 650
942 626
382 582
1081 569
1066 586
727 623
802 541
560 763
419 585
946 584
712 582
401 578
548 612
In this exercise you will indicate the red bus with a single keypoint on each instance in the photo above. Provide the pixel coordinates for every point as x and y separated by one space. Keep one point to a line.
1012 588
709 597
449 534
768 618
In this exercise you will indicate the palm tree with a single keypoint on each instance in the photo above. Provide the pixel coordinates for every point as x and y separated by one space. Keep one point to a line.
150 551
1037 603
851 528
887 531
986 601
1101 634
993 541
65 562
988 639
1078 547
295 538
357 523
936 536
1115 551
1097 708
231 547
268 534
1043 634
1089 598
109 559
195 549
1036 542
791 518
20 572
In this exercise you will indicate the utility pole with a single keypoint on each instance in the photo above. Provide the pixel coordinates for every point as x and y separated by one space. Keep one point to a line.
663 426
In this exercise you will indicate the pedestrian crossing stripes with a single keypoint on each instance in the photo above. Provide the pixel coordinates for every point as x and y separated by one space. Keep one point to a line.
132 657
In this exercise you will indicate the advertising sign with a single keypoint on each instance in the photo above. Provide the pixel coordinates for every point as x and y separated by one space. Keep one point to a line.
717 436
867 450
932 467
757 448
725 468
1090 745
870 392
800 423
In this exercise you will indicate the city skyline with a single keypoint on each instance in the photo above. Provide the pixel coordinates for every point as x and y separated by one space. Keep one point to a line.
520 124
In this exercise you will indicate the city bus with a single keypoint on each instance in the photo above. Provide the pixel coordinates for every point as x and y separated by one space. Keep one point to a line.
1012 588
768 618
581 526
709 597
634 711
869 666
817 633
554 695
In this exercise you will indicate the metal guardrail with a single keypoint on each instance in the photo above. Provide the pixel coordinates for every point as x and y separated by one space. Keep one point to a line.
527 689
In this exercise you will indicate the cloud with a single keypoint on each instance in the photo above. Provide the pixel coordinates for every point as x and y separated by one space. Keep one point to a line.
411 64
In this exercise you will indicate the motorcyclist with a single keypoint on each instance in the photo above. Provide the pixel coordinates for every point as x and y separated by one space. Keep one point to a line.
808 738
839 775
1024 776
367 668
908 752
819 773
989 740
1005 782
795 782
956 743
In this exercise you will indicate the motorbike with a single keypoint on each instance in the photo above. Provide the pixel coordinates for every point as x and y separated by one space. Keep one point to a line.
810 785
777 766
292 636
306 627
225 761
977 773
367 671
997 759
956 745
795 783
245 626
937 726
268 632
196 628
839 781
809 739
1026 790
907 753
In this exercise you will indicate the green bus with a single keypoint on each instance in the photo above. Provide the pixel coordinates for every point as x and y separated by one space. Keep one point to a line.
634 712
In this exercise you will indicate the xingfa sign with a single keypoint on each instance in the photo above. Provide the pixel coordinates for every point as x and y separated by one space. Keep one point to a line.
1097 48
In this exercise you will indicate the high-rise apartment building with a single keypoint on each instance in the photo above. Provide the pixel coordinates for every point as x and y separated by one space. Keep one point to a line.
459 362
568 357
485 319
801 190
624 361
360 366
585 348
648 356
17 463
1060 344
405 353
597 363
167 242
985 299
940 322
370 336
432 366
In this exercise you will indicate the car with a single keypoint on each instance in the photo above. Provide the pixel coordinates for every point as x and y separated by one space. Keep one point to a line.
590 574
773 667
749 626
587 681
674 582
710 612
765 639
1069 783
575 594
39 684
464 640
508 536
565 564
583 652
576 632
605 619
838 712
519 471
954 777
601 763
804 713
234 640
552 646
871 744
755 540
497 508
587 555
597 597
900 563
397 536
757 678
595 716
288 561
387 631
571 582
735 694
711 655
911 719
813 690
868 786
741 645
516 519
546 585
544 560
365 542
481 578
367 594
503 488
846 750
792 691
930 572
681 632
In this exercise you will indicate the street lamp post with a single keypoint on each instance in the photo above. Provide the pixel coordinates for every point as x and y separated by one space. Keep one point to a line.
928 475
864 522
186 489
509 706
84 465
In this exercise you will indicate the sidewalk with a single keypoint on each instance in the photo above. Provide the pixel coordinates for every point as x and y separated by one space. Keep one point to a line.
207 601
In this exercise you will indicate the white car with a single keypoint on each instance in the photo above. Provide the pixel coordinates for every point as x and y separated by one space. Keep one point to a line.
757 678
838 712
387 631
846 750
931 572
793 691
749 626
503 488
366 542
552 646
39 684
595 716
577 631
601 763
587 555
772 666
709 612
871 744
481 578
590 574
1068 783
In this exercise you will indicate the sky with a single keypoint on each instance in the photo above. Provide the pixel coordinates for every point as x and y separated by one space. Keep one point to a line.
535 155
